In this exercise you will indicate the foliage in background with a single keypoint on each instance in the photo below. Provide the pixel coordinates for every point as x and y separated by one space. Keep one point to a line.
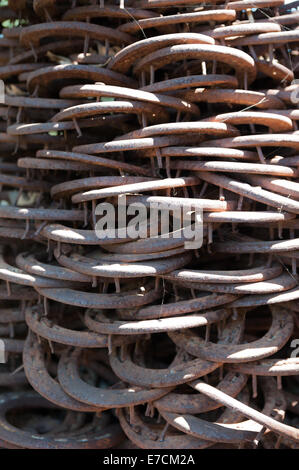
11 23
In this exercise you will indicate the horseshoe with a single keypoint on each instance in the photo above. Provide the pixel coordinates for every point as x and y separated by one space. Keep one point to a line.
252 192
99 268
29 263
91 160
54 165
204 302
284 95
269 367
266 299
46 76
199 127
292 114
174 84
153 185
214 432
260 418
98 91
281 37
220 431
147 437
40 379
247 217
166 3
63 234
205 152
124 59
38 103
234 96
7 71
277 72
131 258
237 59
248 4
175 202
39 128
95 109
275 121
281 186
193 17
58 334
277 336
80 339
273 246
97 11
184 372
152 244
263 140
237 167
19 213
122 145
281 283
260 273
10 273
68 188
224 32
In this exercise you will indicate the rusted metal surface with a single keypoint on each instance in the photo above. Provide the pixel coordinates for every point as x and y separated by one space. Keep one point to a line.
197 403
82 391
103 324
128 371
46 327
277 336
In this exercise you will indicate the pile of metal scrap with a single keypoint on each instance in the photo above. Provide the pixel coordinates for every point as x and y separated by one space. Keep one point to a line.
148 342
